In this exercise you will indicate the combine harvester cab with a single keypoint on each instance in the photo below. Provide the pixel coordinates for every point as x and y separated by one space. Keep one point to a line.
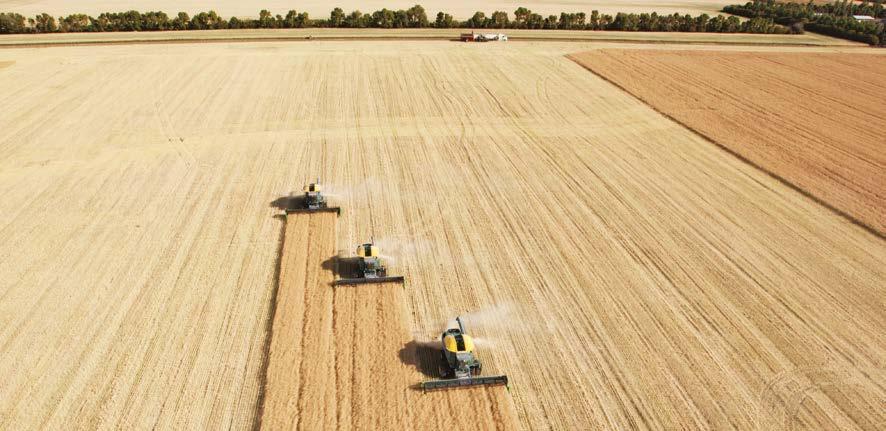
460 367
312 201
367 267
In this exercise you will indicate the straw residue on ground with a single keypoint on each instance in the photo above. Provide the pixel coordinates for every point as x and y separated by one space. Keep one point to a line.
343 358
650 278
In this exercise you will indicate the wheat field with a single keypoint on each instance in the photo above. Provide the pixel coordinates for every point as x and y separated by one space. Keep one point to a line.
818 131
624 272
344 358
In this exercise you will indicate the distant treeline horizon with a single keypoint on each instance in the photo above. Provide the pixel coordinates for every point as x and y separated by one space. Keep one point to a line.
836 19
414 17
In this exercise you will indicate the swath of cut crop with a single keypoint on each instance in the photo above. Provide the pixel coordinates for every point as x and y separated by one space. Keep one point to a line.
344 358
812 119
300 386
378 371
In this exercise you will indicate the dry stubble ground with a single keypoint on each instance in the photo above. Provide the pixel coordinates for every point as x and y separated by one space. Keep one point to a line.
342 358
299 390
659 281
815 120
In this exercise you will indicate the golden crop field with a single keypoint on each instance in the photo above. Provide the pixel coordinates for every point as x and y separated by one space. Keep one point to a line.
821 131
344 358
621 270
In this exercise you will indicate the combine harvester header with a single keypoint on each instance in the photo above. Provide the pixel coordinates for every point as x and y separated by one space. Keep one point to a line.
460 368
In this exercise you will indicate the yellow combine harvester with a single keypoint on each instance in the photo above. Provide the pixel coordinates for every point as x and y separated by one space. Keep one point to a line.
367 267
312 201
460 366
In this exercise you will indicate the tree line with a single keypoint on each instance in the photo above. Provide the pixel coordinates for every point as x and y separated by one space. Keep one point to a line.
414 17
834 19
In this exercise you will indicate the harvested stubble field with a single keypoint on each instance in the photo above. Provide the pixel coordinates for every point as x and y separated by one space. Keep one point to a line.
815 120
624 272
298 391
378 368
342 358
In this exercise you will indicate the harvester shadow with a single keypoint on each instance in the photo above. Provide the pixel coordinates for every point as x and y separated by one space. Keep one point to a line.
424 356
269 327
284 203
348 267
332 264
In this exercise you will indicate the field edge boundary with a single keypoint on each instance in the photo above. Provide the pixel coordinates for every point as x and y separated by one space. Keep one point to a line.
198 40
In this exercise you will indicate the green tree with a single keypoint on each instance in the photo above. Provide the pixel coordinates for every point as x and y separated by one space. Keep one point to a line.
336 17
72 23
535 21
521 17
417 17
476 21
266 20
732 25
499 19
401 19
12 23
550 22
383 18
444 20
45 23
594 23
291 20
355 20
181 22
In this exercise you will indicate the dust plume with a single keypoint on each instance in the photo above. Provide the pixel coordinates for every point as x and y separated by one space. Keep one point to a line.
493 316
396 247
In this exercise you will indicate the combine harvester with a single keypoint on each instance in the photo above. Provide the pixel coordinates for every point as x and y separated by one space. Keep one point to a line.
313 201
367 267
460 367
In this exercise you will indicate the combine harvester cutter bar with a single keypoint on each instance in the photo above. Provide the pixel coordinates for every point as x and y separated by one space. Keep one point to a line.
462 383
369 280
336 210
